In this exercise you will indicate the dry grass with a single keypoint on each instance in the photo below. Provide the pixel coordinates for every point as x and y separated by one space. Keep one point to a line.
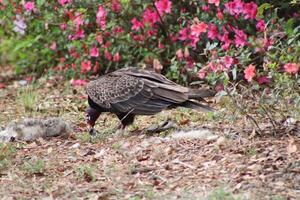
136 165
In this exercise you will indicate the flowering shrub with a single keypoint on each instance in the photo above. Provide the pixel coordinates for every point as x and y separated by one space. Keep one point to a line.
220 41
224 43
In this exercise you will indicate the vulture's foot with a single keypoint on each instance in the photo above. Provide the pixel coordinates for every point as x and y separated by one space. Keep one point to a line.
92 132
163 126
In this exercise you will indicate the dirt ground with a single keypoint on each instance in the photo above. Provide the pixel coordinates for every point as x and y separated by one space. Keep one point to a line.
236 164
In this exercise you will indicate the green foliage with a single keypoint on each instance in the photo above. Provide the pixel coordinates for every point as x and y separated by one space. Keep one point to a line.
86 173
34 167
6 152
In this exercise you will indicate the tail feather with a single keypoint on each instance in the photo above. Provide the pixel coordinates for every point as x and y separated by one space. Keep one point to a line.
200 94
197 106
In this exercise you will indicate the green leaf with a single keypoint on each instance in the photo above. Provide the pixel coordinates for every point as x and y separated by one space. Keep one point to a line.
289 27
262 8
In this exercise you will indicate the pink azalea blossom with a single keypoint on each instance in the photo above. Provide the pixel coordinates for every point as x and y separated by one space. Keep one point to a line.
150 16
226 41
291 68
117 57
116 6
261 26
163 6
2 85
63 26
179 54
151 32
101 17
249 72
79 34
212 31
161 45
29 5
198 28
220 14
205 8
78 20
118 30
240 38
99 39
63 2
235 7
227 61
193 40
202 73
263 80
108 55
94 52
216 2
250 10
136 24
78 82
212 66
184 34
219 87
53 46
85 66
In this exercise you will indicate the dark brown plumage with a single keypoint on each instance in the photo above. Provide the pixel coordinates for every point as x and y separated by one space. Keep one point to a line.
132 91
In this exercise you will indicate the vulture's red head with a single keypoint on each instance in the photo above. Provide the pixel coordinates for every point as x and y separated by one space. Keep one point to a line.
91 115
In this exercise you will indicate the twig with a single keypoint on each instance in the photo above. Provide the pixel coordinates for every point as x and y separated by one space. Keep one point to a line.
270 118
242 111
163 26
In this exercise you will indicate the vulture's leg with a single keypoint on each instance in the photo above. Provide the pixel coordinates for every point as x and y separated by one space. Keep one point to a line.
125 119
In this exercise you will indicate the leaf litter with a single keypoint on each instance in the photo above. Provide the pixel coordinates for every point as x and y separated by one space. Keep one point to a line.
141 166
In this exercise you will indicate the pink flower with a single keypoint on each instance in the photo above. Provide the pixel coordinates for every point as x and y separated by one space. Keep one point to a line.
161 45
235 7
117 57
205 8
163 6
63 26
216 2
99 39
150 17
250 10
219 87
29 6
78 82
291 68
212 66
184 34
212 31
201 73
94 52
108 55
116 6
2 85
101 17
226 41
227 61
78 20
79 34
179 54
136 24
198 28
117 30
261 26
85 66
240 38
53 46
263 80
63 2
250 72
219 14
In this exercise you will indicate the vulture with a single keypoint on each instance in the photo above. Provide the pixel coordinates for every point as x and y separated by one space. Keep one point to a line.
133 91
